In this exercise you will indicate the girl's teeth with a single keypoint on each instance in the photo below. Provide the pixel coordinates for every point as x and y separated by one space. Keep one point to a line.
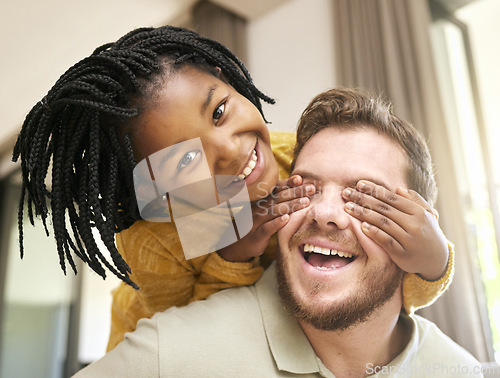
249 168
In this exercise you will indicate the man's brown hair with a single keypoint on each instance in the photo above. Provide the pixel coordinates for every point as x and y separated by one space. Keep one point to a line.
349 109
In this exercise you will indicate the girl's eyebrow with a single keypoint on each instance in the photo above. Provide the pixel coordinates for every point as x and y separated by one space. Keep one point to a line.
207 101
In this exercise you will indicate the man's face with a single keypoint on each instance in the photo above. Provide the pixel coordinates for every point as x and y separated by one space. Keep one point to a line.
323 288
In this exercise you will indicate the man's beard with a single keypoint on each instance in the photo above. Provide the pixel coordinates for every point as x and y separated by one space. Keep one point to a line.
376 287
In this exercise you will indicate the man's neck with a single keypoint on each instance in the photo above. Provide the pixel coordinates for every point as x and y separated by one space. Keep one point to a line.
375 342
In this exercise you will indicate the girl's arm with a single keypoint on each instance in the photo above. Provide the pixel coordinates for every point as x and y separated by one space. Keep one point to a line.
165 278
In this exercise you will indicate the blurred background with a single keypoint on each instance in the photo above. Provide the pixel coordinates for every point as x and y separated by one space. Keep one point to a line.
437 60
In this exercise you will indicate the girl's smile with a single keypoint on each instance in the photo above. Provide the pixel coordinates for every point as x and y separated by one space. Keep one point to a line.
235 139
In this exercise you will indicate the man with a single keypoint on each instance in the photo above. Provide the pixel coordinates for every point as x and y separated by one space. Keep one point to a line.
342 293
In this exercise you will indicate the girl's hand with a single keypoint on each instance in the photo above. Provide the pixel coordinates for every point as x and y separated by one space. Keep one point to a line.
269 215
403 224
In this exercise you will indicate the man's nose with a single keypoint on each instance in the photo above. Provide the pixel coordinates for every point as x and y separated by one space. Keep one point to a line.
327 210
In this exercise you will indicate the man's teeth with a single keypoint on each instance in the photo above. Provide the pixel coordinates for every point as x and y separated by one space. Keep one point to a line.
326 251
249 168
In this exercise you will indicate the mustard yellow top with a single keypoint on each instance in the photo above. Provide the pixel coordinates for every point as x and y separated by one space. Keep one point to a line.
154 253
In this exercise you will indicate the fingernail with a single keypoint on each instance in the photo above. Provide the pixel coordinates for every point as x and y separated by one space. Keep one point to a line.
361 185
310 189
365 226
349 206
304 200
285 217
347 192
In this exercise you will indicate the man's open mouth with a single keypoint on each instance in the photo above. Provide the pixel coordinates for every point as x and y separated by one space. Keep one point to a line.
324 258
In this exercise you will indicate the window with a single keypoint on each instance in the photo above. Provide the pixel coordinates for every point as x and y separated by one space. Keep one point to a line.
467 60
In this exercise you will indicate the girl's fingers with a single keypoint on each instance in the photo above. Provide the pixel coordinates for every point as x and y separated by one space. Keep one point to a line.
366 190
383 239
269 228
418 199
379 219
288 196
293 193
267 213
376 205
289 206
291 182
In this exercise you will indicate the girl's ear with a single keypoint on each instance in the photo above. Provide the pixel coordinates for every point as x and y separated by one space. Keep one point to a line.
220 75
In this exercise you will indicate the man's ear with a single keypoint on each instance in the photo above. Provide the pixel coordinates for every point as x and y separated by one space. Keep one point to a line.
436 213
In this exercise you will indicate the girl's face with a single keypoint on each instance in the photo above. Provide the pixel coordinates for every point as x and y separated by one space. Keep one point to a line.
235 140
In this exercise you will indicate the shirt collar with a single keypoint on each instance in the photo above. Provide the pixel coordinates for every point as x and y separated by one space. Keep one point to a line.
289 346
288 343
409 353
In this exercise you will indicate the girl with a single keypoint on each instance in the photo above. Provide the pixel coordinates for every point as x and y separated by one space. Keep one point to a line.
153 89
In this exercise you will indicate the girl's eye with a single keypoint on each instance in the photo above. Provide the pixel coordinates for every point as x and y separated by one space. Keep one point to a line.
219 112
187 159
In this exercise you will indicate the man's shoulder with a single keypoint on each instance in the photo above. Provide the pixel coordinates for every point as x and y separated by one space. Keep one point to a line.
222 333
220 308
445 353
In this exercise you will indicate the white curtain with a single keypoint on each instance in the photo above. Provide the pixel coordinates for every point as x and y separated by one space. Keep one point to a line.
385 45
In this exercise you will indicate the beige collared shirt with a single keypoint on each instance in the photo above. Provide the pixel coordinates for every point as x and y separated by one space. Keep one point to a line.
245 332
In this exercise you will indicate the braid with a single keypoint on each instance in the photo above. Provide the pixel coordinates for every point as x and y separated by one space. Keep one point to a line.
79 127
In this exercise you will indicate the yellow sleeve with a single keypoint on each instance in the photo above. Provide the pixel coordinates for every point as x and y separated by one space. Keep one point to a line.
419 293
282 144
165 278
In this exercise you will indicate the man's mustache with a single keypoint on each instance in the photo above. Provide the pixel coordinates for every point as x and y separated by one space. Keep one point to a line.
338 237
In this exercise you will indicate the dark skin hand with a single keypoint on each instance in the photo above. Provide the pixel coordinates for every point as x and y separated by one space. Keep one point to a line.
269 215
403 224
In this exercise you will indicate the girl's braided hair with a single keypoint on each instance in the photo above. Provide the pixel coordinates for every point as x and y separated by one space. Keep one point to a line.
75 130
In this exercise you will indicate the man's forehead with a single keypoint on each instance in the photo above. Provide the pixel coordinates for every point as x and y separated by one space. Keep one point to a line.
347 156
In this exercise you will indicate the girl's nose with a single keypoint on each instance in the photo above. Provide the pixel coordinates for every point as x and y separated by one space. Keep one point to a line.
228 152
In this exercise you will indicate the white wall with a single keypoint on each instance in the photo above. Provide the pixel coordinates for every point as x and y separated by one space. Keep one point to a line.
39 40
291 57
290 48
